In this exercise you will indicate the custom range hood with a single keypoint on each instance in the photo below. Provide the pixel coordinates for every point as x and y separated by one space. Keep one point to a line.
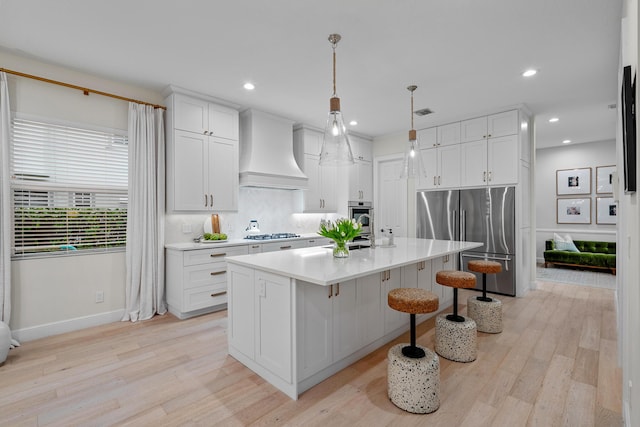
266 152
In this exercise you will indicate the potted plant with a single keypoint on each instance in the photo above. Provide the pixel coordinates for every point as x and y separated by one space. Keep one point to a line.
341 231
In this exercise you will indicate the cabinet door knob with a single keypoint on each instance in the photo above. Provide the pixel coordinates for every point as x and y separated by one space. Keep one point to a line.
484 176
205 200
217 273
330 291
337 289
211 198
217 255
489 175
434 180
285 247
439 182
205 132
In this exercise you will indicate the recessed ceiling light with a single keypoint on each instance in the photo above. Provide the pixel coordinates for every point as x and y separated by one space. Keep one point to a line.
353 123
529 73
249 86
553 119
566 141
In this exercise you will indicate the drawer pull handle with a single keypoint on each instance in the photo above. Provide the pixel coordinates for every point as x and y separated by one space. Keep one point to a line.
217 294
216 273
285 247
255 246
217 255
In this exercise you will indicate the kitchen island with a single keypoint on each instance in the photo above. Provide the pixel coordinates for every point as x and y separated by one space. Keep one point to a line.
299 316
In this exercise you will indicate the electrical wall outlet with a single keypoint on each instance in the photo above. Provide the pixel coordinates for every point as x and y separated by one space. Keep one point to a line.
186 228
99 296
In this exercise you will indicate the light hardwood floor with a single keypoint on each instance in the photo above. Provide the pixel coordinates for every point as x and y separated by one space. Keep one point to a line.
553 365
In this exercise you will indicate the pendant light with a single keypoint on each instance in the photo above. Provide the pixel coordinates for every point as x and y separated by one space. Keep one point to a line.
412 166
336 149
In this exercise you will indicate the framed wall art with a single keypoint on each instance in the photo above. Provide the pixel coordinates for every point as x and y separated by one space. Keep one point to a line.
604 179
606 210
573 181
573 211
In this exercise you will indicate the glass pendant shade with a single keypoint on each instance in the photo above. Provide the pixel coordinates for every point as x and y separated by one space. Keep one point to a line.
336 149
412 166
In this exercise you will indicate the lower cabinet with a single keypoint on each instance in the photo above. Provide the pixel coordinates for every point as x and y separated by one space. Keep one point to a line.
393 319
196 280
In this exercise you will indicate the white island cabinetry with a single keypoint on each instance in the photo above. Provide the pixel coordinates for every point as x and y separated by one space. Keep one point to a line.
297 317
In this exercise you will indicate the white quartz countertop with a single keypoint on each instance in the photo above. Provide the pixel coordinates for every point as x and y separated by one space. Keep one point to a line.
317 264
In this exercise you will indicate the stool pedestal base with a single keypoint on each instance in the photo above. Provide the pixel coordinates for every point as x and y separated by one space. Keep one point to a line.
413 384
457 341
487 315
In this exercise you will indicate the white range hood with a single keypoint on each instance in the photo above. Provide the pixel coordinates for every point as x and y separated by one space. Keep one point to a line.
266 152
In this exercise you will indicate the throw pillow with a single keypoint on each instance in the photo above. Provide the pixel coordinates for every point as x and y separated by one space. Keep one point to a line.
564 243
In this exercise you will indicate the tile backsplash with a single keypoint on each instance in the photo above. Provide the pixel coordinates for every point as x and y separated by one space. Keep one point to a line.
277 211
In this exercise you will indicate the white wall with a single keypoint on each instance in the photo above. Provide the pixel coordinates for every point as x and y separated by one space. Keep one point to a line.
629 244
548 161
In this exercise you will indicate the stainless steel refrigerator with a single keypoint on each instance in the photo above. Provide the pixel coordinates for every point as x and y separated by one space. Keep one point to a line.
484 215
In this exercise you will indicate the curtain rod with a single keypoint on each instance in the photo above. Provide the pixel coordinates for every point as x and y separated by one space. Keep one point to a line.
85 91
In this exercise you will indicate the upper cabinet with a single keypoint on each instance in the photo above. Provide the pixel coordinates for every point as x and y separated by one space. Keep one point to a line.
320 195
202 155
361 173
449 134
493 126
490 150
206 118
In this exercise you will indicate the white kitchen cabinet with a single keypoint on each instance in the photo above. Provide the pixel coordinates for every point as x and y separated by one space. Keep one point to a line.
204 173
418 275
321 195
393 319
196 280
442 165
283 245
361 172
444 293
328 324
205 118
448 134
361 181
318 241
202 155
493 161
493 126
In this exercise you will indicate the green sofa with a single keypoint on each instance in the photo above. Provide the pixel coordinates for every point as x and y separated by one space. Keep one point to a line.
600 255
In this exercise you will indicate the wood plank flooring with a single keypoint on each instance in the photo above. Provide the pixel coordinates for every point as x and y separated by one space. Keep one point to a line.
555 364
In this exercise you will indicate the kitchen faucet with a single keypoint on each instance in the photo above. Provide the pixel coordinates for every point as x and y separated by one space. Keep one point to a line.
372 236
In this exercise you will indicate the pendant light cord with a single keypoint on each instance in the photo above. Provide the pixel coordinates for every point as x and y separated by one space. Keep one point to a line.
334 68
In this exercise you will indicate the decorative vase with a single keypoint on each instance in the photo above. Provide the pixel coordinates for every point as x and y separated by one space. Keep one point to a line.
340 250
5 341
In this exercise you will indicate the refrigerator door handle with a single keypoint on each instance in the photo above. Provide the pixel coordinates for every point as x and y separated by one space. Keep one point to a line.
463 225
506 258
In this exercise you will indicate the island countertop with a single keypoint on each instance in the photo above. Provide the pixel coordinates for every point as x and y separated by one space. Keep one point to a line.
317 264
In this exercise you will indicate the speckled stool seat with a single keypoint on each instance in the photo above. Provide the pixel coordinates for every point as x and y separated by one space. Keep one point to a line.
487 312
413 372
456 336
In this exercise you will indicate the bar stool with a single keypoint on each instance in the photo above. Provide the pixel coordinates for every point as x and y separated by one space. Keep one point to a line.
456 336
413 372
486 311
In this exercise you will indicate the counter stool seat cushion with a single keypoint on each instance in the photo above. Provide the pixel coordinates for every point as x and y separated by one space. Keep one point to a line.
456 279
412 300
413 384
484 266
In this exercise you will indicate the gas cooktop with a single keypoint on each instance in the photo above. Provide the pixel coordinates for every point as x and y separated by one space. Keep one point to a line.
272 236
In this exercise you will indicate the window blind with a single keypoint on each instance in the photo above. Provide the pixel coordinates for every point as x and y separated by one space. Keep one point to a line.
69 188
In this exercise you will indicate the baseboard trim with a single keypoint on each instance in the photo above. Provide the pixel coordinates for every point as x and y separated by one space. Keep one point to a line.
69 325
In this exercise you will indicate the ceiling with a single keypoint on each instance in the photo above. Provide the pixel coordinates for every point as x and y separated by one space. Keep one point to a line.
465 56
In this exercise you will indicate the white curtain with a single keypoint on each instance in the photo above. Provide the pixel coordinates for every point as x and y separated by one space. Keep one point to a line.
5 203
145 219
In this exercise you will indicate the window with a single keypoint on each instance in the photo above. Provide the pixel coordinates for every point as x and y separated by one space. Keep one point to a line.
69 188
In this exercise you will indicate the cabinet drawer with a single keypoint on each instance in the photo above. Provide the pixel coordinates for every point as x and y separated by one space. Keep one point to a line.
205 256
282 246
204 275
205 296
